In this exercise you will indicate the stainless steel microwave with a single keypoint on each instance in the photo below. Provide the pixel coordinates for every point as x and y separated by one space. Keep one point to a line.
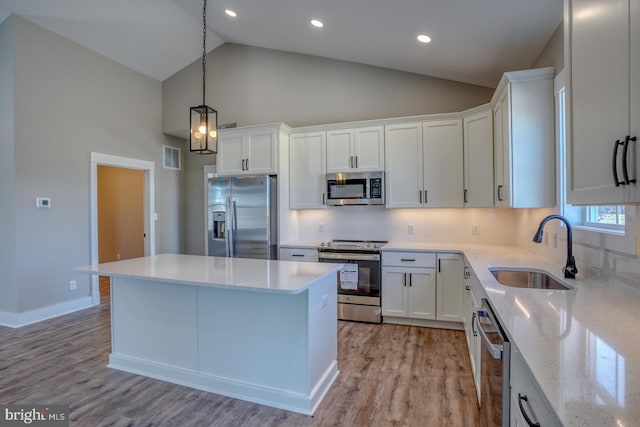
355 188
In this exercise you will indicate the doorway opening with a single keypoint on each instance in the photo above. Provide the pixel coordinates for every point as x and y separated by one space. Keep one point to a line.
140 201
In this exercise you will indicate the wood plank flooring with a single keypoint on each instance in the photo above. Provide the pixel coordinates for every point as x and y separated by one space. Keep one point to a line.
390 375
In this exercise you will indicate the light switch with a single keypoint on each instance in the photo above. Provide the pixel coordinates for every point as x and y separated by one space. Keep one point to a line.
43 202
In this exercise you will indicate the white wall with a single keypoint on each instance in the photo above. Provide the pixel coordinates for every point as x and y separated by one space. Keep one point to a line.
495 226
69 102
251 86
8 290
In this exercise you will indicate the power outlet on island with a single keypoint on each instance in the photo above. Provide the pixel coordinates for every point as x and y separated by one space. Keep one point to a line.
410 228
73 285
475 231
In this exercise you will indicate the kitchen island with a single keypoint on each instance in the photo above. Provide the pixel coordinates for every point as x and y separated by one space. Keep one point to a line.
258 330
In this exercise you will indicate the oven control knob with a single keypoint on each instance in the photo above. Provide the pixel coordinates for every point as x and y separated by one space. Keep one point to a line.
322 245
328 244
369 245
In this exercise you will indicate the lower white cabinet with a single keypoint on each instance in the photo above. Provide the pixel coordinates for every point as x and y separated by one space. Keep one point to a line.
450 287
471 304
528 404
423 285
409 292
298 254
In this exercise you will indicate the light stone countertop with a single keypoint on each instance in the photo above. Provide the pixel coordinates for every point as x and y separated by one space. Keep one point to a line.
307 244
582 346
287 277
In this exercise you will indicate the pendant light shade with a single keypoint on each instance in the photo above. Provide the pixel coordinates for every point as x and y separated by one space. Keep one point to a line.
203 130
203 120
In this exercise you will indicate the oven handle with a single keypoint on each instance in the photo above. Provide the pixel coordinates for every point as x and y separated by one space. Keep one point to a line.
348 257
494 350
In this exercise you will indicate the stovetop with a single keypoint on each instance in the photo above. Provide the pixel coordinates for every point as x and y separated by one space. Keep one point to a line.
353 245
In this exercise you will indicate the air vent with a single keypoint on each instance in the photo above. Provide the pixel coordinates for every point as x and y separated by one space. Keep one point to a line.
171 157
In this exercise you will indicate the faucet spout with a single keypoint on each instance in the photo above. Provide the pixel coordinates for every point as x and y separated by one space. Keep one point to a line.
570 270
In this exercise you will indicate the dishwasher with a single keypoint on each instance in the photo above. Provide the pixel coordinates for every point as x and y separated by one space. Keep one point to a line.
494 369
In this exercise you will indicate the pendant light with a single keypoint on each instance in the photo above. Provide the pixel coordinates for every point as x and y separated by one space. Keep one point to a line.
203 120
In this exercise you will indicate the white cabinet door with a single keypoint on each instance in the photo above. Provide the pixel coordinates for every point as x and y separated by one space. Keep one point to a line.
501 150
298 254
369 148
600 69
261 153
340 156
307 170
478 160
230 159
422 293
443 179
403 158
394 291
450 287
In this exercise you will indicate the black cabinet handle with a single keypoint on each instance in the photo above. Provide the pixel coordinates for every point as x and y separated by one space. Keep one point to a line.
625 172
408 259
324 198
500 193
247 163
425 197
420 195
404 278
465 195
410 279
523 398
242 164
298 255
614 165
439 265
356 162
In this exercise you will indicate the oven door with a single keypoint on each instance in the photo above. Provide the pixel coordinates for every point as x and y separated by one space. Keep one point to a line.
494 374
368 268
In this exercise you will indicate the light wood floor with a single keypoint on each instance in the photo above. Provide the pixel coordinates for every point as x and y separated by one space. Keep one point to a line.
389 376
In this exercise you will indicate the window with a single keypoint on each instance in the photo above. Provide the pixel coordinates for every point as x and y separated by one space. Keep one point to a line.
610 217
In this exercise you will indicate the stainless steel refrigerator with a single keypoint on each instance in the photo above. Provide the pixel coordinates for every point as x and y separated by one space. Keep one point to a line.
242 217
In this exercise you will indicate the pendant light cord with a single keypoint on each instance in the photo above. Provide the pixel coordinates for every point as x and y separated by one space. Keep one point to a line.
204 50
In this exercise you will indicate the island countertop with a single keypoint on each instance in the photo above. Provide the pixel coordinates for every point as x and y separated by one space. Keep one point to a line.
286 277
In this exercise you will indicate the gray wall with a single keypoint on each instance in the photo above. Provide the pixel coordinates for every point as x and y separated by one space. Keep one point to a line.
69 102
8 290
553 53
250 86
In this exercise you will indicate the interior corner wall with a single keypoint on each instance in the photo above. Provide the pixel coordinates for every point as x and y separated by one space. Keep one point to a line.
553 53
251 85
70 102
8 289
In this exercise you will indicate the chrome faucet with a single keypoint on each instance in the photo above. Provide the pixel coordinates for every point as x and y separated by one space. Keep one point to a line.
570 270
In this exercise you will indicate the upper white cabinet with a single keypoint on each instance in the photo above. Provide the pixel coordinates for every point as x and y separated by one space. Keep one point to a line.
524 143
602 57
360 149
424 164
478 159
248 151
443 179
307 170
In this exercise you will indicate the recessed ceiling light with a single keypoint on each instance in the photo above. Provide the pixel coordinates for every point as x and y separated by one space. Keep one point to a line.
424 38
317 23
231 13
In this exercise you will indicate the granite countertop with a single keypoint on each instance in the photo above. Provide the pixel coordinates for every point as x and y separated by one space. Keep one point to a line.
288 277
581 345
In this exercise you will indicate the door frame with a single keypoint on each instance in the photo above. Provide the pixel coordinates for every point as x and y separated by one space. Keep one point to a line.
99 159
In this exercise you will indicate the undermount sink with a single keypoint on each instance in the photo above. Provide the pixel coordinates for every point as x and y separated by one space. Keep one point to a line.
527 279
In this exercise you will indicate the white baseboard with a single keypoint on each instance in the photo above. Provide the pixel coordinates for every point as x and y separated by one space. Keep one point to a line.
437 324
16 320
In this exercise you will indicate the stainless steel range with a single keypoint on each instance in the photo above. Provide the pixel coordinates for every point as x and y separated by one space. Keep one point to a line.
359 280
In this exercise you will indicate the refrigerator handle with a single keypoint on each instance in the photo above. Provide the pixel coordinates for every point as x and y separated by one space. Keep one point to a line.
234 222
229 231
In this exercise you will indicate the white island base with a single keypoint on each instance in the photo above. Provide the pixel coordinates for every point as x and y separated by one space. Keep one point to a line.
269 346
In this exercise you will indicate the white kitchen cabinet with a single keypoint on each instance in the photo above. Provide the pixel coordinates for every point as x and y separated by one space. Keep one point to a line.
528 404
478 159
403 157
298 254
471 298
443 178
602 56
409 285
307 170
248 151
450 287
524 143
360 149
424 164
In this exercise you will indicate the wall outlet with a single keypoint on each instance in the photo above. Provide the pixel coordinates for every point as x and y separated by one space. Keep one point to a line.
73 285
320 228
410 228
475 230
118 257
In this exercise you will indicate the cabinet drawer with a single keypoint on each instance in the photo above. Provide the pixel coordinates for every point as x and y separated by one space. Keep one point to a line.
409 259
526 396
299 254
